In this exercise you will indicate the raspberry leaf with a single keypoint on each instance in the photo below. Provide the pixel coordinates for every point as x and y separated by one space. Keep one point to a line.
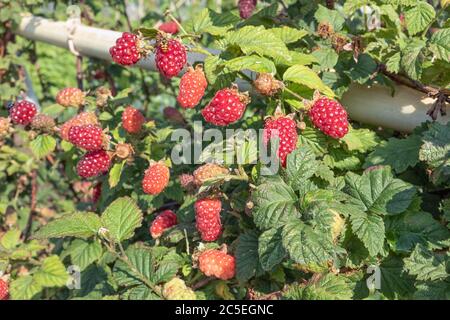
304 245
121 218
115 173
43 145
400 154
440 44
288 35
377 191
258 40
419 16
253 63
303 75
52 273
25 288
247 258
83 253
407 230
270 248
301 165
361 140
80 225
426 265
331 16
328 287
275 203
369 228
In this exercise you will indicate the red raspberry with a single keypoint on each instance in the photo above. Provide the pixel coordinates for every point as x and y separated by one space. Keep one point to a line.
126 51
170 57
23 112
97 192
132 120
93 164
227 106
4 290
88 137
329 117
285 128
163 221
70 97
186 181
208 171
246 8
207 216
81 119
192 87
217 263
156 178
169 27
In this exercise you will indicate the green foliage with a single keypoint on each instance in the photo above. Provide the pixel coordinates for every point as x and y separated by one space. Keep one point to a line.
374 199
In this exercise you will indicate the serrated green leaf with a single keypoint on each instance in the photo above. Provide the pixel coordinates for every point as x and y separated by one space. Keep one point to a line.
326 57
370 230
306 246
52 273
80 225
426 265
270 249
411 228
258 40
303 75
419 17
400 154
253 63
25 288
361 140
43 145
300 165
395 282
274 204
288 35
411 61
440 44
377 191
333 17
363 69
393 63
328 287
247 259
115 173
121 218
83 253
10 239
432 290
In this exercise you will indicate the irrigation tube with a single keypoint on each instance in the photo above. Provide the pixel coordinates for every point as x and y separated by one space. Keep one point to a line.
375 105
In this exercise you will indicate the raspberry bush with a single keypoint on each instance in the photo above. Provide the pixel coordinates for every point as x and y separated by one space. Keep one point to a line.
94 182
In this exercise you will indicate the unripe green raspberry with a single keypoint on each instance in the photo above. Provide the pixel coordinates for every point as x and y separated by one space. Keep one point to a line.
176 289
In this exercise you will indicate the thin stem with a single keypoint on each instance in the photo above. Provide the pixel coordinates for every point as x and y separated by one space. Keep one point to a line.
293 93
196 47
176 22
123 256
34 188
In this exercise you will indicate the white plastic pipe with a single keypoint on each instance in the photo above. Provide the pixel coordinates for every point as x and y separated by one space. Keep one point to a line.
375 105
88 41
